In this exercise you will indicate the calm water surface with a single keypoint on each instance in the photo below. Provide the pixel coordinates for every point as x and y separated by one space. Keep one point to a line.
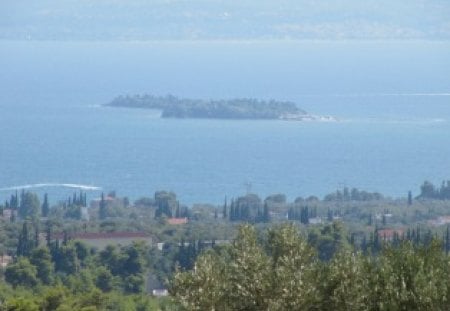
392 100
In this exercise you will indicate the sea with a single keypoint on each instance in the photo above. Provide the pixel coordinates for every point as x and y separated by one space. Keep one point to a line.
391 100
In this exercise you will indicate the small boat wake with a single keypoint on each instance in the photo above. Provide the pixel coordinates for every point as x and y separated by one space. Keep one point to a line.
52 185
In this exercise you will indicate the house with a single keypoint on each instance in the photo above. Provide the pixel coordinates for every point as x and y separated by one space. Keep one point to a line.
154 285
440 221
278 215
379 216
101 239
7 213
177 221
95 203
207 243
84 213
5 260
315 221
389 234
160 292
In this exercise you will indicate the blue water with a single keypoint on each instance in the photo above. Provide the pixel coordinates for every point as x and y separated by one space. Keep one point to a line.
392 100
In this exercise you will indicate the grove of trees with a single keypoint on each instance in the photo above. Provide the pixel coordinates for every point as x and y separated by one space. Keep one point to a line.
282 271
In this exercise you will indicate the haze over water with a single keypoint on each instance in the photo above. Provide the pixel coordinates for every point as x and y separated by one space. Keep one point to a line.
392 100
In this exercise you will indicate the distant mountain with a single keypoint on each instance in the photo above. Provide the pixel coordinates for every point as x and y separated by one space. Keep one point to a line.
224 20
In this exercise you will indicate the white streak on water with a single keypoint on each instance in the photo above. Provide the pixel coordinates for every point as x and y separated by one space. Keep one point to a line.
420 94
391 94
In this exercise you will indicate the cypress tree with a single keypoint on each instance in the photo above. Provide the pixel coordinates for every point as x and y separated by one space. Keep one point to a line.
54 250
15 201
302 215
102 212
352 240
65 238
447 241
225 209
376 241
11 202
200 246
266 214
25 245
177 210
45 206
364 244
418 235
233 211
242 212
36 236
182 255
298 213
330 215
48 236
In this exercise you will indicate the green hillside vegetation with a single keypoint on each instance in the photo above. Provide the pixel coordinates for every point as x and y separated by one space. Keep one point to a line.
306 253
281 271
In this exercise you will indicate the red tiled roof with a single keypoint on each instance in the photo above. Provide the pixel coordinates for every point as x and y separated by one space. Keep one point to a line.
389 233
177 221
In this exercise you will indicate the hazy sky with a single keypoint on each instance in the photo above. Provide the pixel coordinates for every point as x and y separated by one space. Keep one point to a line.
224 19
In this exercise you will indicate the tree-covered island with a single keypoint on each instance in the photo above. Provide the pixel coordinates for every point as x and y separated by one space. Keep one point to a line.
240 108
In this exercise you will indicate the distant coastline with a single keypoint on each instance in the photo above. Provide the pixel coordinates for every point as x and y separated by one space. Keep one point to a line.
240 108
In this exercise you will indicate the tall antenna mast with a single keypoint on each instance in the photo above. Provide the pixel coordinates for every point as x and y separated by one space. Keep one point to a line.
248 187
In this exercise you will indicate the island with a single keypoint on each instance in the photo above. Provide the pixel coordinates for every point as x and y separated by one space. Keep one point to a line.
239 108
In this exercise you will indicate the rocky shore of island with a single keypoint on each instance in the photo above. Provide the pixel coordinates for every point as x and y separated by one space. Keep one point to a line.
239 108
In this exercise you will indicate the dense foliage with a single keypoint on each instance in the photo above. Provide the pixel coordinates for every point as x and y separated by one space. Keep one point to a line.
349 227
69 275
429 191
283 272
244 108
248 208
